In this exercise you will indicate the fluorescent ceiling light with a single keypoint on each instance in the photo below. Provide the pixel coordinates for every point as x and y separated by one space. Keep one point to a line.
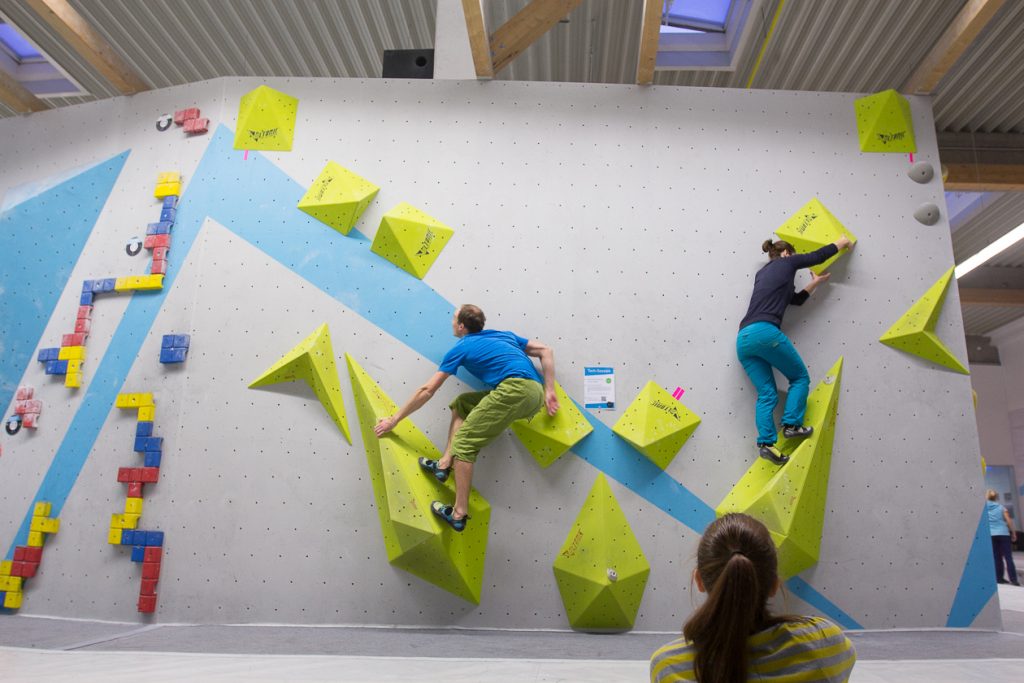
997 247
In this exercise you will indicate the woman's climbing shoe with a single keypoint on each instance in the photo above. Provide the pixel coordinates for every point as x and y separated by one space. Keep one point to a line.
796 431
447 513
769 452
431 466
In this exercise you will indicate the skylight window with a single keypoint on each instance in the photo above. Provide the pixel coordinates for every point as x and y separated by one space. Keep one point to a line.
30 67
704 34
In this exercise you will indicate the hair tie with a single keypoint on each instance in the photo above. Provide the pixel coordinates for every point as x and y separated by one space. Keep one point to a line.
738 552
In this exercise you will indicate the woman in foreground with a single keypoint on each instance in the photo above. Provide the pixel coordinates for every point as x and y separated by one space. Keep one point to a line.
732 637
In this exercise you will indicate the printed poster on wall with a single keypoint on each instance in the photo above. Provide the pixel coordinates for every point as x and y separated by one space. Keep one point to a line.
598 387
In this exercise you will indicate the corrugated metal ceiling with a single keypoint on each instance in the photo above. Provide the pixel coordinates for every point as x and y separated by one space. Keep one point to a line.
992 222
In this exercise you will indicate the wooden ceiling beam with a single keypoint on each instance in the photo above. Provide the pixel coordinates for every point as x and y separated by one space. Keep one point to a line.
989 298
650 32
89 44
951 45
478 42
14 95
984 177
529 24
982 162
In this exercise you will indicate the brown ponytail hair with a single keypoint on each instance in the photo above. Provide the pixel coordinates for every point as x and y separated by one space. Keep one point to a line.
775 249
738 566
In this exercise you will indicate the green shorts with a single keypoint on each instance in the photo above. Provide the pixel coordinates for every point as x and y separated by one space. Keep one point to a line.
488 413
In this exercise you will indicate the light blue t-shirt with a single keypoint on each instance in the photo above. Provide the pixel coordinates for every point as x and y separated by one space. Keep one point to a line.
996 521
492 356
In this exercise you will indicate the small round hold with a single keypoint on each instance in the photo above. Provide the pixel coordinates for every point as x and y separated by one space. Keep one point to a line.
13 425
927 214
133 247
921 172
164 122
613 575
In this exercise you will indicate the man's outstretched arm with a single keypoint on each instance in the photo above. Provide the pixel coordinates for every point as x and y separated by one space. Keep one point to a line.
417 401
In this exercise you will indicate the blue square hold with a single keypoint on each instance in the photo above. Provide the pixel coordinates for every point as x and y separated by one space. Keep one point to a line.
148 443
109 284
173 355
128 536
168 215
170 201
152 459
86 299
138 552
87 285
181 341
167 341
143 429
154 538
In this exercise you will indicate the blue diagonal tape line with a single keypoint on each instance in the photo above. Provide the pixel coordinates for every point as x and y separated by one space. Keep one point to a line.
978 580
345 268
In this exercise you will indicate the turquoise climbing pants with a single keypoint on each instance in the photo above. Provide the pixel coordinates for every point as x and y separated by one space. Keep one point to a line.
761 347
488 413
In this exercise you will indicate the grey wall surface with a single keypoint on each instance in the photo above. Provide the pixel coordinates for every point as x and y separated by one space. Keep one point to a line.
622 226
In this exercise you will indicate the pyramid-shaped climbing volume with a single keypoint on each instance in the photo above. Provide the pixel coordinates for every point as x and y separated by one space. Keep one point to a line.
547 437
312 360
601 570
415 539
656 424
411 239
884 123
338 197
790 500
812 227
914 332
266 120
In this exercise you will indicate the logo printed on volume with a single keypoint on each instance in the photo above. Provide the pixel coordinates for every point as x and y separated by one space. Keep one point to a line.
886 138
425 245
806 222
670 409
258 135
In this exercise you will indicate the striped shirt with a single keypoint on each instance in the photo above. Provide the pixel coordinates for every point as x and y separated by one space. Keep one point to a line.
812 650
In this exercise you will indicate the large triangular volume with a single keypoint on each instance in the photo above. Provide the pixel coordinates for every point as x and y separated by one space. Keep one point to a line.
656 424
266 120
411 239
312 361
547 437
884 123
338 197
914 332
601 570
812 227
416 540
790 500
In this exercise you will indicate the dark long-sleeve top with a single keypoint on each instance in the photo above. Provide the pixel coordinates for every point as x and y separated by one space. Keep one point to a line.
773 286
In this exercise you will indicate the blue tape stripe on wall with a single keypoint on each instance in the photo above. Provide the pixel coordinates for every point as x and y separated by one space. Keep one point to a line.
40 241
978 581
344 268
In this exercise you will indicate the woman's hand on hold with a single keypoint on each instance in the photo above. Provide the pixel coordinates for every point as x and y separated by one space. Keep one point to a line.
843 243
819 279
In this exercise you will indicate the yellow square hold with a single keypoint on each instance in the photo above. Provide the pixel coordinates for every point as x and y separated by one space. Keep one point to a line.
71 353
169 177
10 583
5 567
73 380
35 539
121 284
167 190
12 600
42 509
131 520
133 506
149 282
114 537
147 413
75 366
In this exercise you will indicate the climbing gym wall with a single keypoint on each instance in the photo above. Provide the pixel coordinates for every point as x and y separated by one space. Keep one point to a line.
216 462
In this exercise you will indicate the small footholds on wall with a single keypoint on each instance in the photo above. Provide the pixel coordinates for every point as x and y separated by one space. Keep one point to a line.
921 172
26 411
174 348
27 557
928 214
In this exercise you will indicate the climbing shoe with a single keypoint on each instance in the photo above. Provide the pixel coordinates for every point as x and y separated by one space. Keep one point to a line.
796 431
768 451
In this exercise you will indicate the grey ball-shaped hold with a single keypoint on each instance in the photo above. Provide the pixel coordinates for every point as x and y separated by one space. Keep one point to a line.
927 214
612 575
921 172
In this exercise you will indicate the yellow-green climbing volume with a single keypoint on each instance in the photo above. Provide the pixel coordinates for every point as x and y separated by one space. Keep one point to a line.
656 424
338 197
790 500
812 227
601 570
415 539
914 332
548 437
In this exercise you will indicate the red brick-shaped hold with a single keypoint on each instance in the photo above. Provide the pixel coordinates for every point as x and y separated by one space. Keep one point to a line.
17 568
24 393
134 489
83 325
20 407
33 555
124 474
148 587
148 475
153 553
84 313
182 116
147 604
158 267
25 570
197 126
76 339
19 553
30 420
153 241
151 570
160 253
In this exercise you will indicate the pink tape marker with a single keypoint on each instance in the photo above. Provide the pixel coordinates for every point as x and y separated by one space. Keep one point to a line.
911 157
678 393
245 157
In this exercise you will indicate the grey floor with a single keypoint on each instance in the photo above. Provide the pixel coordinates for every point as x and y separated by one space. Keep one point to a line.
44 649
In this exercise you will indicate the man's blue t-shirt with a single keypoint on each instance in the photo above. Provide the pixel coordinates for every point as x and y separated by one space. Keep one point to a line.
491 355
